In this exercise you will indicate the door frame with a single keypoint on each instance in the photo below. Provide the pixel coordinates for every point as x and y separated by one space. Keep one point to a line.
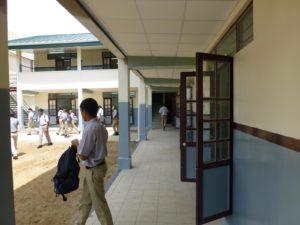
183 101
200 57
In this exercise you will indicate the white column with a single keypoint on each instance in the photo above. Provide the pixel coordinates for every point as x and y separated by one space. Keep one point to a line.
19 90
149 108
124 132
80 98
142 112
79 59
7 213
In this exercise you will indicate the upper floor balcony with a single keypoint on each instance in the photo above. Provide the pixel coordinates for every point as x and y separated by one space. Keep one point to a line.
61 53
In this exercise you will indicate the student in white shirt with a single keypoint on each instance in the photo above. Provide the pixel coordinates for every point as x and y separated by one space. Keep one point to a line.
43 121
60 121
14 128
163 116
30 121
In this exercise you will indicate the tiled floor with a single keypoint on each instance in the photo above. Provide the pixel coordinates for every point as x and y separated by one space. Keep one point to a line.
151 193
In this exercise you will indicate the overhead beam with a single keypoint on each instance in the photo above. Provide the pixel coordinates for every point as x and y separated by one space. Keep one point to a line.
95 27
164 89
153 81
28 92
151 62
138 74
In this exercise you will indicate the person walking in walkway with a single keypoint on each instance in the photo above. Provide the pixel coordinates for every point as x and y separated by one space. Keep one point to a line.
65 120
14 128
163 116
43 121
92 150
115 120
30 121
60 121
74 120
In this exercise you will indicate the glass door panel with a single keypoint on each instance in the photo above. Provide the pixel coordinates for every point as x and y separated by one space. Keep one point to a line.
188 125
214 145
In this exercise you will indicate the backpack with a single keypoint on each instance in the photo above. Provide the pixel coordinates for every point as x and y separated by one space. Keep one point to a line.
66 178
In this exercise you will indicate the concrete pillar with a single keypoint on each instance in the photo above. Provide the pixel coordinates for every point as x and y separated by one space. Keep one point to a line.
80 98
149 108
79 59
142 134
7 213
19 90
124 131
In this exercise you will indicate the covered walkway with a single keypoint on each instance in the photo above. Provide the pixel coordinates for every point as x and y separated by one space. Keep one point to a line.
151 193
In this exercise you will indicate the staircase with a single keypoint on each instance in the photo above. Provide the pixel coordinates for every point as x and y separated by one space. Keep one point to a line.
14 107
13 98
156 124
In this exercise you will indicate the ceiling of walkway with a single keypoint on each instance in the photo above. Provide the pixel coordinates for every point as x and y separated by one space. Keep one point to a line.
160 27
154 28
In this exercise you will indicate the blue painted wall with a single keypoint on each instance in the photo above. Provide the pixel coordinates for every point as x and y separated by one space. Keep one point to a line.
266 183
149 117
136 117
142 125
124 148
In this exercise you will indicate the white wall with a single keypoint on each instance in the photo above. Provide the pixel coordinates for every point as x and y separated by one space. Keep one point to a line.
30 100
66 80
91 57
41 100
267 71
41 60
55 80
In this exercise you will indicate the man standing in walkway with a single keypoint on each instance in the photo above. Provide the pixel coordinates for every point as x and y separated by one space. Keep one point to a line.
43 121
14 128
115 120
92 150
163 116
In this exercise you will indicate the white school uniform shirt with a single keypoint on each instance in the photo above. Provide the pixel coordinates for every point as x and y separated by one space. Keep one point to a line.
59 114
93 143
100 113
30 115
163 110
64 116
43 119
14 123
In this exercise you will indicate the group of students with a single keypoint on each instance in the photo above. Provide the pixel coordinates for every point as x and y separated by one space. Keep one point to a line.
91 149
67 123
67 119
43 130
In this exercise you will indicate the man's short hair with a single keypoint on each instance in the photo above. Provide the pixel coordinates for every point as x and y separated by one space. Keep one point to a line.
89 105
41 110
30 109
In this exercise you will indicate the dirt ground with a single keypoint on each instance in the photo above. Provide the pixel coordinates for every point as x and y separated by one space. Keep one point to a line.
35 200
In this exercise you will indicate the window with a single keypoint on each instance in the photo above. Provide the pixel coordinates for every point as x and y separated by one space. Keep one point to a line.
109 61
238 36
245 28
227 45
63 64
